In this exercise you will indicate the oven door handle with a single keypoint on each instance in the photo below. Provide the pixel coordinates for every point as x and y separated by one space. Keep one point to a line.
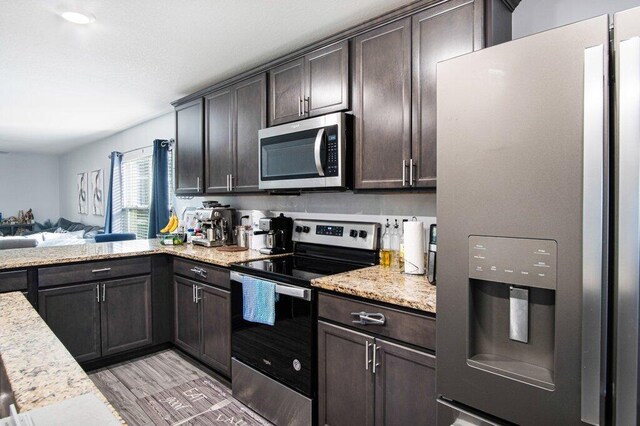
285 290
299 293
316 151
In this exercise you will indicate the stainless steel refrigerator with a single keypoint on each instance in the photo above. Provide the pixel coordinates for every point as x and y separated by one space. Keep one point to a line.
538 223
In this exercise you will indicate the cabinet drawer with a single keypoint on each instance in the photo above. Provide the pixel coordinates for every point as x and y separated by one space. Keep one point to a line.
13 281
404 326
202 272
93 271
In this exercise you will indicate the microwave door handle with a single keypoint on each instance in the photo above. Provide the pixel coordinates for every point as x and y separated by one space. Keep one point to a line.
316 152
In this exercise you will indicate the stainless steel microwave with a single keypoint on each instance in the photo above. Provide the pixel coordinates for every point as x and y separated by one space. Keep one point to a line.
307 154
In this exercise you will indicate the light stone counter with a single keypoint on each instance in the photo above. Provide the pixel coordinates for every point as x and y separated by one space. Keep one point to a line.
384 285
40 369
25 257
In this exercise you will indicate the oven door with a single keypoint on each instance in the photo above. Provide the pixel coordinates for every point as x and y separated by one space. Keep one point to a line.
305 154
285 350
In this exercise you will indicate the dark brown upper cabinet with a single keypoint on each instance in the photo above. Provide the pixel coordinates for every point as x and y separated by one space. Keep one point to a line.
315 84
382 106
189 151
394 92
439 33
233 116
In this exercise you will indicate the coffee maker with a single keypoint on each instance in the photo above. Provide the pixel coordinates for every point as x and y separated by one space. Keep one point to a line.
217 226
279 231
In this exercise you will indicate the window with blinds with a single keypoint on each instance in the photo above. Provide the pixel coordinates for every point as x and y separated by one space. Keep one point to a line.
136 193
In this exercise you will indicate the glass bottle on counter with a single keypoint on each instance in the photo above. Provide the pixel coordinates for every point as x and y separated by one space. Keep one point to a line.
385 250
395 245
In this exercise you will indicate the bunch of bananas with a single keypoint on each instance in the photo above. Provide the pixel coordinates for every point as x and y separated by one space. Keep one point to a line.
172 225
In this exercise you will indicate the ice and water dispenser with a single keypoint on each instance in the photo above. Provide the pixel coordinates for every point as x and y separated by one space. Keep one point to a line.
512 287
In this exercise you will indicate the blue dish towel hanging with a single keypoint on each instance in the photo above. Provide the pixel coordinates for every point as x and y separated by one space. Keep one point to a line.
258 301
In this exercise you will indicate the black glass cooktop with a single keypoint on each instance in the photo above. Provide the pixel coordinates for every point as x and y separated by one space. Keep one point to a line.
295 269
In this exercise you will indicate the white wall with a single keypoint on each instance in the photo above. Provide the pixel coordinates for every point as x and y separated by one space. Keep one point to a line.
533 16
95 156
29 181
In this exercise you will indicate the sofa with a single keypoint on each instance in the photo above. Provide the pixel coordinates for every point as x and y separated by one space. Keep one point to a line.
90 231
62 233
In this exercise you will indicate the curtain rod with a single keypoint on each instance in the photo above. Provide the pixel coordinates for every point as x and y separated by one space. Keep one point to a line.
164 143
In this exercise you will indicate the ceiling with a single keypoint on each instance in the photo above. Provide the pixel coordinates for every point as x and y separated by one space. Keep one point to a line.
63 85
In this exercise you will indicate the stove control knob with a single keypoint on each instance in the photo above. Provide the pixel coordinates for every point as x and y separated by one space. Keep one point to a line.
298 228
306 229
363 234
353 233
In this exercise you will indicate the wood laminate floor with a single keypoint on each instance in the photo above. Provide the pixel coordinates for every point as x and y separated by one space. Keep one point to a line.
131 385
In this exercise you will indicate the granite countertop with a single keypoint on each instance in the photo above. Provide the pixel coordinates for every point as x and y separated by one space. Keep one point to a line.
40 369
40 256
384 285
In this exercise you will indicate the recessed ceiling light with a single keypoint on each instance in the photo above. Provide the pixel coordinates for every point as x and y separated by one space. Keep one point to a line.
77 17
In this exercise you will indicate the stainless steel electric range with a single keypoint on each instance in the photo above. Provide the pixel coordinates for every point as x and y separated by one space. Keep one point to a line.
274 367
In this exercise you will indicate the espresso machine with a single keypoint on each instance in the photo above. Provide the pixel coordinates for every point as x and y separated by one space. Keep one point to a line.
279 231
217 226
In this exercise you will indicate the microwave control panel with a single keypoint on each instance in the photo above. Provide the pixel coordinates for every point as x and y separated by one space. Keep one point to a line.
333 158
520 261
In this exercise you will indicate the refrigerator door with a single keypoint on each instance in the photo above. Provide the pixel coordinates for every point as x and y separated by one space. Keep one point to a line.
627 228
522 221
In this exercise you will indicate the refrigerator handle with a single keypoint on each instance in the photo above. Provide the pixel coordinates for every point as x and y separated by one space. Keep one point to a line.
628 247
593 232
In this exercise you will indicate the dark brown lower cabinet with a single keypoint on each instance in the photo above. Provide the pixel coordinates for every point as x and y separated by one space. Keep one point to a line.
126 315
365 380
73 314
203 323
345 384
187 327
101 318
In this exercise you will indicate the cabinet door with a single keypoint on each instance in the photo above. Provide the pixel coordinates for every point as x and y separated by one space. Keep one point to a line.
187 323
439 33
189 149
382 106
286 92
251 116
215 305
327 79
345 379
126 314
218 137
405 385
73 314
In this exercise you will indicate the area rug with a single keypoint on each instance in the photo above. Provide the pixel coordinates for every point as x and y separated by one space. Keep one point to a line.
198 402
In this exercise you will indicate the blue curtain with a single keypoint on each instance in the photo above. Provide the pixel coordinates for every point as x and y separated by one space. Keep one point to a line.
159 209
113 207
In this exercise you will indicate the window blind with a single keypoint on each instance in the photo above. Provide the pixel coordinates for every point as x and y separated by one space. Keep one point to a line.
136 192
136 195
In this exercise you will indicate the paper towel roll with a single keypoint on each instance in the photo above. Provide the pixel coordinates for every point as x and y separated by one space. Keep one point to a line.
413 248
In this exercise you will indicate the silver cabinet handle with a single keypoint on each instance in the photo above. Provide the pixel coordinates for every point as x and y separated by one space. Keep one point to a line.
231 182
300 107
411 166
104 291
367 361
404 172
365 318
627 245
316 151
375 364
307 105
197 184
197 297
98 292
593 233
96 271
193 293
227 182
199 271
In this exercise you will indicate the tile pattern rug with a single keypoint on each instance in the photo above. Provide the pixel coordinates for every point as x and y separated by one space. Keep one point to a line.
199 402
